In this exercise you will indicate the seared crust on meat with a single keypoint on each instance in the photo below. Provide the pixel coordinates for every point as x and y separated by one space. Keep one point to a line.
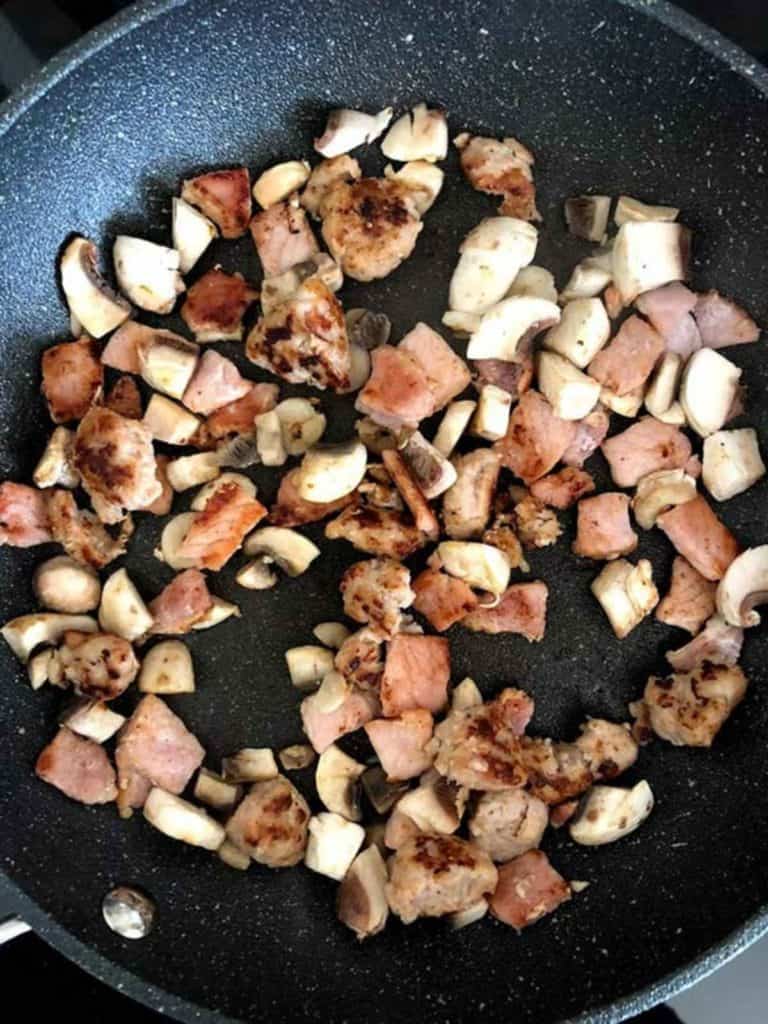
270 825
375 591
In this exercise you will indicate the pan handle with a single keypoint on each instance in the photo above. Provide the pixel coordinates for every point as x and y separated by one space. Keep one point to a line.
11 928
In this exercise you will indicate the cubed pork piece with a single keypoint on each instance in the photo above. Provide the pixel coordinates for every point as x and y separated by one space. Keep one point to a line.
522 609
536 438
400 743
699 536
416 674
603 528
79 767
628 360
528 889
442 599
691 598
646 447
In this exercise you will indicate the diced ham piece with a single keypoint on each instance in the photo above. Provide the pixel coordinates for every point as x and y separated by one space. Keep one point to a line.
588 436
81 534
154 748
161 506
646 447
78 767
325 727
718 643
629 358
72 378
291 509
124 398
216 382
283 238
721 322
377 531
24 519
399 743
508 823
238 417
699 536
442 599
406 483
181 604
501 168
536 438
603 528
416 674
218 531
564 488
397 394
447 375
122 350
669 310
215 306
688 709
375 591
515 378
522 609
223 196
529 888
691 598
467 503
271 823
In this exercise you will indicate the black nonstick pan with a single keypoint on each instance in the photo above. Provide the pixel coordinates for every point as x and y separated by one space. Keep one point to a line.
613 97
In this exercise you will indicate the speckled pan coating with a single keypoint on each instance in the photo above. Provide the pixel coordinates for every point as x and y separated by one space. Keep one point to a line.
611 97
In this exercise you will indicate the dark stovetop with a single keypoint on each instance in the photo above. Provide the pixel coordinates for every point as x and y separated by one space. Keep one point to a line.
32 974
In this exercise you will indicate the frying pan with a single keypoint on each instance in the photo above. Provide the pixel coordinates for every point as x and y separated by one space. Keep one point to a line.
612 97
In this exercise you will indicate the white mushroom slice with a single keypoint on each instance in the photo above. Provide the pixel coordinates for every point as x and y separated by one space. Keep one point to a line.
421 134
362 901
708 388
731 463
192 233
625 405
534 283
348 129
91 302
491 417
626 593
257 575
233 856
219 611
587 216
660 491
424 178
251 764
628 209
587 280
432 806
167 365
662 389
293 552
506 324
674 415
171 538
331 694
56 466
147 273
744 585
64 585
461 918
269 439
359 369
280 288
296 757
239 453
170 422
167 668
39 667
648 254
205 493
181 820
571 393
192 470
583 330
609 813
25 633
336 779
462 324
330 472
308 665
332 845
122 610
479 565
302 425
491 257
466 694
214 791
279 181
92 719
452 426
331 634
433 472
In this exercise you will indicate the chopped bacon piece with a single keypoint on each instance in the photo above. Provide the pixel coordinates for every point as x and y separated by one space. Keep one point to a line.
718 643
283 237
360 659
416 674
698 535
467 503
645 447
24 516
423 516
161 506
522 609
72 378
442 599
78 767
216 382
215 306
238 417
502 169
515 378
223 196
291 509
564 488
397 393
629 358
375 591
529 888
181 604
325 727
218 531
447 375
688 709
669 310
399 743
691 598
82 535
721 322
588 436
271 823
376 531
536 438
124 398
603 528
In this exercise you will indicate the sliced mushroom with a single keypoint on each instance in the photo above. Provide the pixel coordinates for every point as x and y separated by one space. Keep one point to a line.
731 463
462 324
377 439
466 694
587 216
423 177
239 453
293 552
535 283
308 665
181 820
233 856
744 585
330 472
170 422
219 611
625 405
331 634
171 538
193 470
571 393
122 610
362 899
251 764
214 791
92 719
674 416
433 472
167 363
192 233
662 389
348 129
626 593
709 385
648 254
359 369
660 491
281 288
452 426
337 780
432 806
331 694
479 565
491 417
257 575
42 666
508 325
147 273
588 278
279 181
380 791
462 918
56 467
296 757
367 329
25 633
492 255
628 209
269 439
167 668
64 585
583 330
609 813
421 134
301 424
332 845
90 300
206 492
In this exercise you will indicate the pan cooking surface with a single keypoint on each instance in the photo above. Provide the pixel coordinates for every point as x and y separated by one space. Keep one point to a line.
610 100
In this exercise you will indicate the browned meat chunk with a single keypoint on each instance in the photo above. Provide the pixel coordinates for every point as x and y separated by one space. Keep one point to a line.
522 609
689 708
447 375
588 436
78 767
324 177
502 168
283 238
537 526
467 504
360 659
442 599
218 531
397 393
556 771
400 743
563 489
238 417
270 825
691 598
161 506
324 727
124 398
536 438
610 749
102 666
508 823
377 531
24 516
529 888
81 534
627 362
72 378
224 196
603 527
181 604
215 306
291 509
646 447
718 643
699 536
416 674
375 591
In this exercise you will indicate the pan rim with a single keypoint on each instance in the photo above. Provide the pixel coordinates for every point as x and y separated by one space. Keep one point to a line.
121 978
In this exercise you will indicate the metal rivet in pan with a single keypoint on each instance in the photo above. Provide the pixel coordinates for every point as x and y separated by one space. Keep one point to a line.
129 912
